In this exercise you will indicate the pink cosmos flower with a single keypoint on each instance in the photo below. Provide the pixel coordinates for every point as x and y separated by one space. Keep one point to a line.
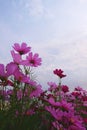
21 77
76 93
53 86
16 57
78 89
65 120
59 73
11 68
21 49
8 70
65 88
66 106
32 83
52 101
84 98
56 113
37 92
32 60
63 104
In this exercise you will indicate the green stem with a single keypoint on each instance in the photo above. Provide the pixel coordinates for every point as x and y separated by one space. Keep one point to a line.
59 89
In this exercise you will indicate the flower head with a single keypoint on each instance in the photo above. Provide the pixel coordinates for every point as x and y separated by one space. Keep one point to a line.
5 72
21 49
21 77
32 60
53 86
8 70
59 73
36 92
65 88
11 68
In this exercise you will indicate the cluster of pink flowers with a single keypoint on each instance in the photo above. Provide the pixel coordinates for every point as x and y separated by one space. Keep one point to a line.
22 99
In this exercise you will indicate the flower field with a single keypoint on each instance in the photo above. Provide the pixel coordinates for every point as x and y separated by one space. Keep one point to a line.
24 105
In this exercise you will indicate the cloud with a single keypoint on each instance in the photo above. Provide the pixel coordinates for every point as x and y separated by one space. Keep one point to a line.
37 9
31 10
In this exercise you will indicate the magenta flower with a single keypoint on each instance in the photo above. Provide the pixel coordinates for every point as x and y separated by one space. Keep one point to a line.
59 73
53 86
37 92
52 101
65 120
16 57
66 106
11 68
76 94
56 113
65 88
21 77
8 70
2 71
21 49
78 89
84 98
63 104
32 83
32 60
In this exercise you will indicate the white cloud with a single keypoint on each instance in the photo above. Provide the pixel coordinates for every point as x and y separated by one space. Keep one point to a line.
32 8
37 9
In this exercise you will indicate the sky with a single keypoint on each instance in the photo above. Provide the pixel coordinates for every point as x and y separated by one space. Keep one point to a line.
56 29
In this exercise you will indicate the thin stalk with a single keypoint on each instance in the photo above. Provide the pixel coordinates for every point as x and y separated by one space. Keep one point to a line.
59 86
